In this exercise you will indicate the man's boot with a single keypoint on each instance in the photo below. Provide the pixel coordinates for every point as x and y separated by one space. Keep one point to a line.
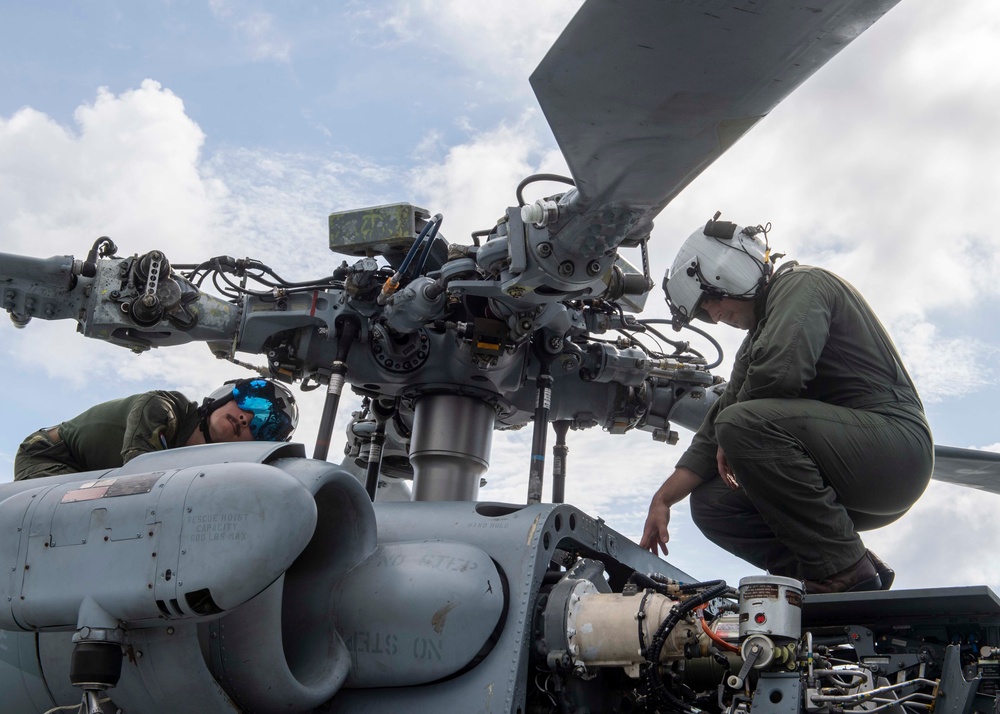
886 573
860 577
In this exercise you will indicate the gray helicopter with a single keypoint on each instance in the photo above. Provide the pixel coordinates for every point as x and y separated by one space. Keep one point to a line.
251 578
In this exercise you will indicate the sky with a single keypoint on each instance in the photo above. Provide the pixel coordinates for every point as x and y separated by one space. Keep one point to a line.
235 127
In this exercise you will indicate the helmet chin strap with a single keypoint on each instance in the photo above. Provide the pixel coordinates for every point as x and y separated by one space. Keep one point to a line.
206 410
204 429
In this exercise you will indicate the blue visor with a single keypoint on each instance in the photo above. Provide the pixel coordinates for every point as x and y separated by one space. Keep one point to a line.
271 421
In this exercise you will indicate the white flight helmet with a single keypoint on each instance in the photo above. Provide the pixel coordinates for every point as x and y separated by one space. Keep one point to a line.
719 260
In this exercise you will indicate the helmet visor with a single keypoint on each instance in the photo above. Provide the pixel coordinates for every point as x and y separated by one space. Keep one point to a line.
271 421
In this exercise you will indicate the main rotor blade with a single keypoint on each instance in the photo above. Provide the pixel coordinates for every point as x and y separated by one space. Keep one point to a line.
643 95
968 467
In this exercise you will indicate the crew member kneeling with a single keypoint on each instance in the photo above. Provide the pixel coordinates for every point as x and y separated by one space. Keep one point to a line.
820 432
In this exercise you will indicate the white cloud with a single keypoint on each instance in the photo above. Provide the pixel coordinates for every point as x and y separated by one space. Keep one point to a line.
922 348
255 28
475 182
502 42
132 168
128 168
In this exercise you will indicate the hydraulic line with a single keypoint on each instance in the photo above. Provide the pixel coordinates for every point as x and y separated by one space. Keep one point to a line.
519 191
431 238
374 466
338 372
559 453
655 687
536 472
374 459
715 343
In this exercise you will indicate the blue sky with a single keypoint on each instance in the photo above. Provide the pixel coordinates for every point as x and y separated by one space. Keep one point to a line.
202 128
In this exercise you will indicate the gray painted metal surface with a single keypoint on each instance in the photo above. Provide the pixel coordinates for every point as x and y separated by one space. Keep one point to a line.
417 612
643 95
968 467
244 577
522 540
149 545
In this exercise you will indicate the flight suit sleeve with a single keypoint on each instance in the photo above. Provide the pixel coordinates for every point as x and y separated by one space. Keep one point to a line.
151 425
700 456
787 345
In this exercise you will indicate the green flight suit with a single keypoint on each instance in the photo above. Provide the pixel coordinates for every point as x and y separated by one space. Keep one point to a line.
822 427
109 434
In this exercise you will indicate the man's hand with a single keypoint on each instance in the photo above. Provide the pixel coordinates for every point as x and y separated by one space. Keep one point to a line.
655 533
725 471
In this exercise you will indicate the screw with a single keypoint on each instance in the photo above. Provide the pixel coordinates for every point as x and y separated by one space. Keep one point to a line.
545 249
593 268
566 268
